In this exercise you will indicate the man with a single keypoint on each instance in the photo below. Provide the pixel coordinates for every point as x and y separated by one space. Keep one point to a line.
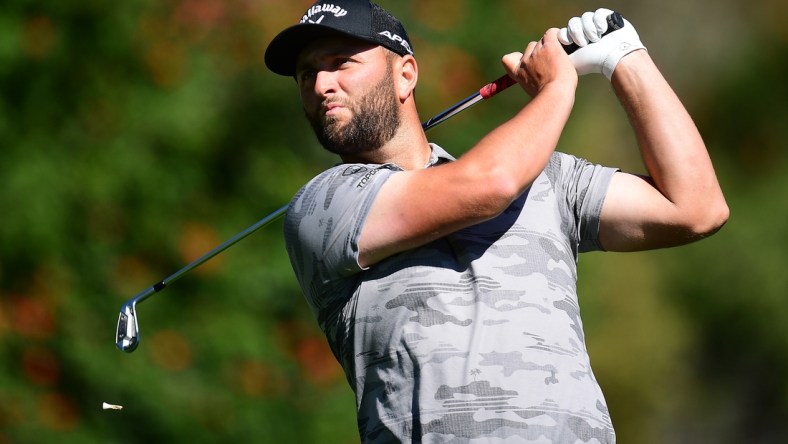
447 288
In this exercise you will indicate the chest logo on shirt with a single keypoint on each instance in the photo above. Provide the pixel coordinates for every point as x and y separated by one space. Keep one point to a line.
355 169
364 180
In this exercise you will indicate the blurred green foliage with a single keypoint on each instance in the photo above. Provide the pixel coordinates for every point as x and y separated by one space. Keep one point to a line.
136 136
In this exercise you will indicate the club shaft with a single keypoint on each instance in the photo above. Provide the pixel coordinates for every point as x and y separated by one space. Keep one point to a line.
453 111
210 255
484 93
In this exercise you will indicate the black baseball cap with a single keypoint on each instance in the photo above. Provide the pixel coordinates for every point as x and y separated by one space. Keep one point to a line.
361 19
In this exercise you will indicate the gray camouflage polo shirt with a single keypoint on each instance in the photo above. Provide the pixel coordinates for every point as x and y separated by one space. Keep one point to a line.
475 337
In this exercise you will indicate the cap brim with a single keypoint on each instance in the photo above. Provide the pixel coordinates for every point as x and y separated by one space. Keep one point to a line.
283 51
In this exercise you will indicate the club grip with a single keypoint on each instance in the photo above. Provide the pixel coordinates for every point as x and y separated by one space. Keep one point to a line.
614 22
497 86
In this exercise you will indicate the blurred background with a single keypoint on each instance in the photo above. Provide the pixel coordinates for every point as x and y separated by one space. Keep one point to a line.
136 136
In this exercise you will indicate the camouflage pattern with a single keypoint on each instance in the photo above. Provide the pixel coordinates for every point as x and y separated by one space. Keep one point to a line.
475 337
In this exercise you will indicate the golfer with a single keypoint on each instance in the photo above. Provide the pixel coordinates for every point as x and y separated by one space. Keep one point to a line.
447 287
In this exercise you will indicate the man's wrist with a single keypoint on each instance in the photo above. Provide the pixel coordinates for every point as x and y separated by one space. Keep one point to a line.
629 63
560 89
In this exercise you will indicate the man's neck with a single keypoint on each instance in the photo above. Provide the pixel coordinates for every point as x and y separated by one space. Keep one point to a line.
408 149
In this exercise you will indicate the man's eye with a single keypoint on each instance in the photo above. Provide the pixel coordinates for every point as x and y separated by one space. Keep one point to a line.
306 75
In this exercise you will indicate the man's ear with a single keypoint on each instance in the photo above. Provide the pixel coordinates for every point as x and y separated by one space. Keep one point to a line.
407 76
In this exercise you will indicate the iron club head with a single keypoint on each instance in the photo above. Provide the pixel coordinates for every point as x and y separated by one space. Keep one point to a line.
127 337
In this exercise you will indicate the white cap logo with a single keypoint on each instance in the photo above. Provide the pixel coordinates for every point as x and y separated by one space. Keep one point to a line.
325 8
396 38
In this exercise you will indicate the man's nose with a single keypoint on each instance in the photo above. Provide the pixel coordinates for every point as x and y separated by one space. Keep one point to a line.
325 82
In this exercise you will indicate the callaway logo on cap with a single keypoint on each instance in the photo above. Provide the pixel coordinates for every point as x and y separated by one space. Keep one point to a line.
361 19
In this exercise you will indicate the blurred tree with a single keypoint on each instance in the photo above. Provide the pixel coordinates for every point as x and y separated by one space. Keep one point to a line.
136 136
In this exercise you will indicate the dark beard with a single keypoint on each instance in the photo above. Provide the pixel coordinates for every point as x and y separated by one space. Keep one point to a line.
375 120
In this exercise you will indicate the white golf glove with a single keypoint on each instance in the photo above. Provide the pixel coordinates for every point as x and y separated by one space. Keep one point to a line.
597 54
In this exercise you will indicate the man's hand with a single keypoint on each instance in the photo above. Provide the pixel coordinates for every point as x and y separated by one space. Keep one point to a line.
598 54
543 62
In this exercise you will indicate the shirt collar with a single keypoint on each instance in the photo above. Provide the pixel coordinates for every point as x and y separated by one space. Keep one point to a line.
438 156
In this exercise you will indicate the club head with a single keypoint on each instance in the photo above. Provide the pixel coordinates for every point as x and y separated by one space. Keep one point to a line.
127 337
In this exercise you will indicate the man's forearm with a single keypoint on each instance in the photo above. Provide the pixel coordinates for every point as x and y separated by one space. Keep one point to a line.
520 148
672 148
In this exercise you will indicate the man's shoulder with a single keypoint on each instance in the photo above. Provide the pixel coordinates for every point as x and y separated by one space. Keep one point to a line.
343 182
347 173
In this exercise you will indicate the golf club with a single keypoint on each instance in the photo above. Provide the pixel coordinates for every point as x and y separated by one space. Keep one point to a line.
127 336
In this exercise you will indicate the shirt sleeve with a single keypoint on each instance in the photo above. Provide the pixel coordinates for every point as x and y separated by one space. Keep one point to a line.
586 186
323 225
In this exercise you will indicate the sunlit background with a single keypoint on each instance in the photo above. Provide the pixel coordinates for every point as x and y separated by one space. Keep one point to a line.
135 136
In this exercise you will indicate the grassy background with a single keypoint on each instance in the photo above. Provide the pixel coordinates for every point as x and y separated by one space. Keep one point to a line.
136 136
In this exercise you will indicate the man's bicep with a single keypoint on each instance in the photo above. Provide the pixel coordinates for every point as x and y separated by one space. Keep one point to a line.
637 216
416 207
397 220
